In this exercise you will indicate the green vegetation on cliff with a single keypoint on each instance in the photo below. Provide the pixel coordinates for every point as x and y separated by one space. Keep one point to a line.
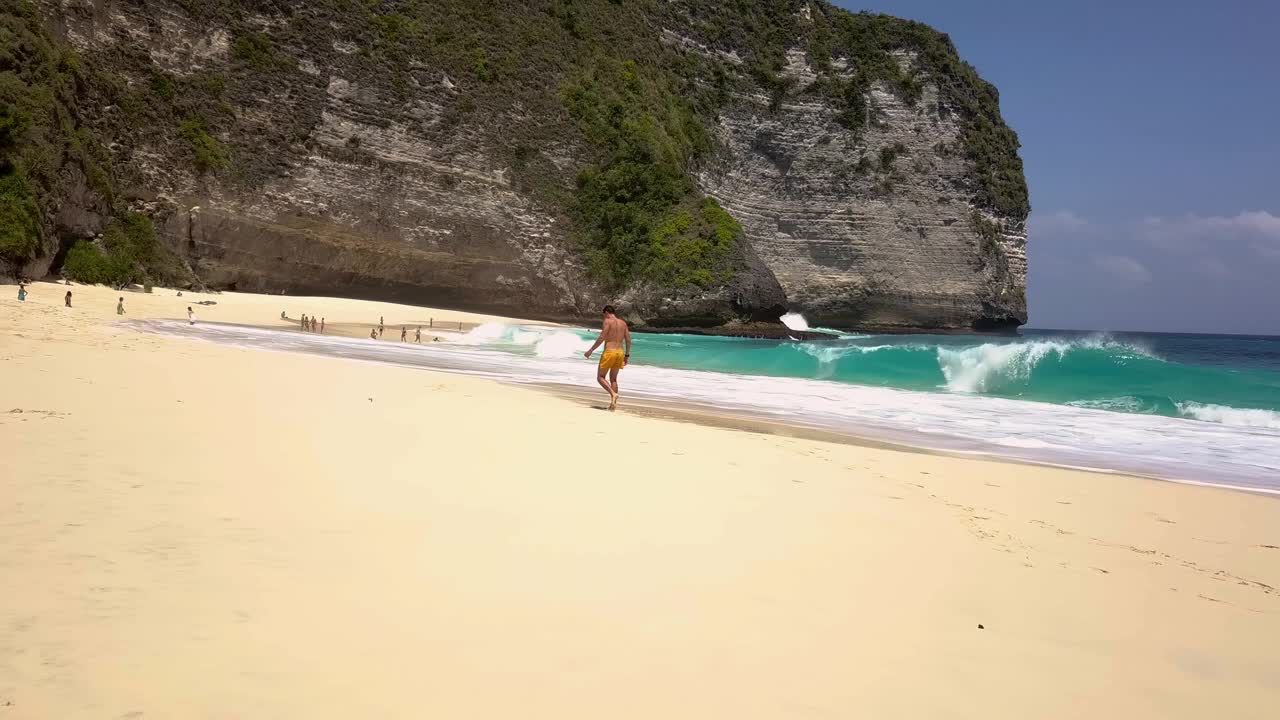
50 148
634 208
42 135
626 90
132 254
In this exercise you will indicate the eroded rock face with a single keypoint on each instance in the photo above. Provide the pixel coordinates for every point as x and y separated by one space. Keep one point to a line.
365 192
870 231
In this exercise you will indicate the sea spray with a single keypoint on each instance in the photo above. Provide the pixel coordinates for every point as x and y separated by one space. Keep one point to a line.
986 367
992 366
526 337
484 334
795 321
561 344
546 342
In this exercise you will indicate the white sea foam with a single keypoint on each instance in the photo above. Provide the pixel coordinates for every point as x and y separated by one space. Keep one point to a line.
1235 417
1124 403
1027 443
484 334
526 337
795 321
546 342
991 365
561 344
828 355
825 353
1236 447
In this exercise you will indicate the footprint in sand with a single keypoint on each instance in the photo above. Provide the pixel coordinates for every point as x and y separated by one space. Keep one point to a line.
38 413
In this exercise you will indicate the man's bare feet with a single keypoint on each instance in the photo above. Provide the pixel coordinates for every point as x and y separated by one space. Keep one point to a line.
613 402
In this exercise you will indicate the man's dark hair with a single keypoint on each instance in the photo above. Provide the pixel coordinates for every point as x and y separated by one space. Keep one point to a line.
609 309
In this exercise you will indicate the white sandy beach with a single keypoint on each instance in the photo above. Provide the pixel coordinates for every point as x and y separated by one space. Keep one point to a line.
198 531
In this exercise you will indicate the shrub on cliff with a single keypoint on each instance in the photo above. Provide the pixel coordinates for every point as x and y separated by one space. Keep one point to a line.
87 264
206 151
45 147
130 252
632 207
19 219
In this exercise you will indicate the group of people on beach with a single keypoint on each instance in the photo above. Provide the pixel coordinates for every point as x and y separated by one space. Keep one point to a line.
66 302
309 324
614 335
376 333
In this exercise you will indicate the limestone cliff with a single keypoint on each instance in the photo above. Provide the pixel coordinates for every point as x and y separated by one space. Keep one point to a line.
540 158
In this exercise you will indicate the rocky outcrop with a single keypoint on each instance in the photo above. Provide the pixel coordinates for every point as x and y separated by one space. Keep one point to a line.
343 179
877 231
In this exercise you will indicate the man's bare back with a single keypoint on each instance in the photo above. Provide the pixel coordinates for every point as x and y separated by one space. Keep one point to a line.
614 333
616 337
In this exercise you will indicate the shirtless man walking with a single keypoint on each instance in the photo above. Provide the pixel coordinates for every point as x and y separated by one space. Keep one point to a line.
614 334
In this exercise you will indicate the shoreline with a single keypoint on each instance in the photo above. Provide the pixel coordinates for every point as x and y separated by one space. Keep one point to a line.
203 529
960 425
727 419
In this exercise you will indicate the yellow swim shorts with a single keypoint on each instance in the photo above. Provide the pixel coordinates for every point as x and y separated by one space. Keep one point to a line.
612 360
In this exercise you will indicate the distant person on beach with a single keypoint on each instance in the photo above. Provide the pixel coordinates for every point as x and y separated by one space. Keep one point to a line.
373 333
191 316
321 326
282 315
417 335
614 334
304 322
67 299
120 307
22 292
404 334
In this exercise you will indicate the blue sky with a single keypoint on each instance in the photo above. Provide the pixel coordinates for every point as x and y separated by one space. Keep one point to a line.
1151 138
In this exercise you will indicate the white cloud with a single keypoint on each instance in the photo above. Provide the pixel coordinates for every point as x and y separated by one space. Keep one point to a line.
1060 220
1123 268
1256 229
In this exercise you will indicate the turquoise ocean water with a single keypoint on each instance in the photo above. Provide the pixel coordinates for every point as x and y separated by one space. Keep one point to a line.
1228 379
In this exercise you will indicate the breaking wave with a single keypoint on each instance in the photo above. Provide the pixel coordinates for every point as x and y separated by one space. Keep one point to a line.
1095 372
546 342
991 366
